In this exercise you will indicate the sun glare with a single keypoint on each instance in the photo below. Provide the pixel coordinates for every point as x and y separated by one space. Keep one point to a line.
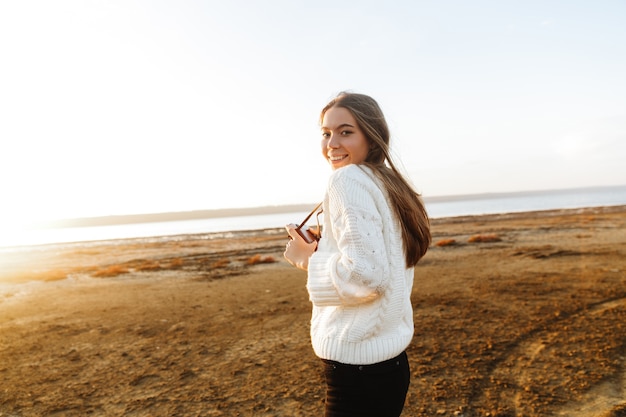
17 228
13 231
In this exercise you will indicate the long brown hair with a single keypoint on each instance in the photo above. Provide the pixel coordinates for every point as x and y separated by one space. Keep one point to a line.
407 203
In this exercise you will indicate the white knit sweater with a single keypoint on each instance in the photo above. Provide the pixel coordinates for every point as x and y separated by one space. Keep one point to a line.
357 279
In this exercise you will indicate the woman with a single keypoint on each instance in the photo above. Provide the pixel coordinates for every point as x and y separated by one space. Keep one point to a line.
360 273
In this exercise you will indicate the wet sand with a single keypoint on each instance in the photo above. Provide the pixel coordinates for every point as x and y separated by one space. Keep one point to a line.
515 315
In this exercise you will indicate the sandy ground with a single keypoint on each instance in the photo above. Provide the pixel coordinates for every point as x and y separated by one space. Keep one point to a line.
529 322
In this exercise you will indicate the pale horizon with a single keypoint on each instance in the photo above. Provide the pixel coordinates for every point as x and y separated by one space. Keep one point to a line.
305 206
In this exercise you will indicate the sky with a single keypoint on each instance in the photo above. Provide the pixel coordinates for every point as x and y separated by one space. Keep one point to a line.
127 106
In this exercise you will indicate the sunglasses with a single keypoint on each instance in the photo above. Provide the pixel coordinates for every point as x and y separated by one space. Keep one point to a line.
308 234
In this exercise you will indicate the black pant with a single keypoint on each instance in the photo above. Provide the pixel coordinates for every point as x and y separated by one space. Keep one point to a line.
377 390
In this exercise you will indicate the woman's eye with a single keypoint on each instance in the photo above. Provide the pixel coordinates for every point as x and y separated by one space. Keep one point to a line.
325 134
345 132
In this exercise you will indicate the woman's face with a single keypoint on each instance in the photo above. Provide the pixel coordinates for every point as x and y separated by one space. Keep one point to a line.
343 143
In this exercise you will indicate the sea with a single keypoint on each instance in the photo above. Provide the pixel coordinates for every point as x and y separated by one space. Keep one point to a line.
437 207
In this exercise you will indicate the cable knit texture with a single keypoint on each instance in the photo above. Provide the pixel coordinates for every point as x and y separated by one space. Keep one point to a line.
357 279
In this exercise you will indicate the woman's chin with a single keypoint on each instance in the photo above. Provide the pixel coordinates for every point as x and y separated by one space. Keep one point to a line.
339 164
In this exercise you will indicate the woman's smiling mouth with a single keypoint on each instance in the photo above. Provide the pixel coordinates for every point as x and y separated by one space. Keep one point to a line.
337 158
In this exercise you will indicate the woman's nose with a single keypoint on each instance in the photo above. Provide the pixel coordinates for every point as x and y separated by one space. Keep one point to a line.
333 143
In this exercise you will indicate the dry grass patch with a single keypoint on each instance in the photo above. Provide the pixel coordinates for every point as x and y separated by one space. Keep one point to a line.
176 263
110 271
258 259
446 242
484 238
149 266
221 263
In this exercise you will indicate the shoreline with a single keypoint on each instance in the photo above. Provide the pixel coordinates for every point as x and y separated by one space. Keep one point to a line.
288 208
278 230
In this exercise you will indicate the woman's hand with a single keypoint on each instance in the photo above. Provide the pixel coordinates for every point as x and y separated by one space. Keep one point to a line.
298 251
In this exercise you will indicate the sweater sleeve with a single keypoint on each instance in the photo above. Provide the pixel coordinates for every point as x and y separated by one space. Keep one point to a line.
353 267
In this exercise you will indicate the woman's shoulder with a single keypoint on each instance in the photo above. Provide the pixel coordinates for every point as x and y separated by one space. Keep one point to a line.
354 180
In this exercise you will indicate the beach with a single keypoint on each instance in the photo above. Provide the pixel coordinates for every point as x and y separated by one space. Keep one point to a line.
520 314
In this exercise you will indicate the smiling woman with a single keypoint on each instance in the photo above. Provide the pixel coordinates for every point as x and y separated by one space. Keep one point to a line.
375 231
